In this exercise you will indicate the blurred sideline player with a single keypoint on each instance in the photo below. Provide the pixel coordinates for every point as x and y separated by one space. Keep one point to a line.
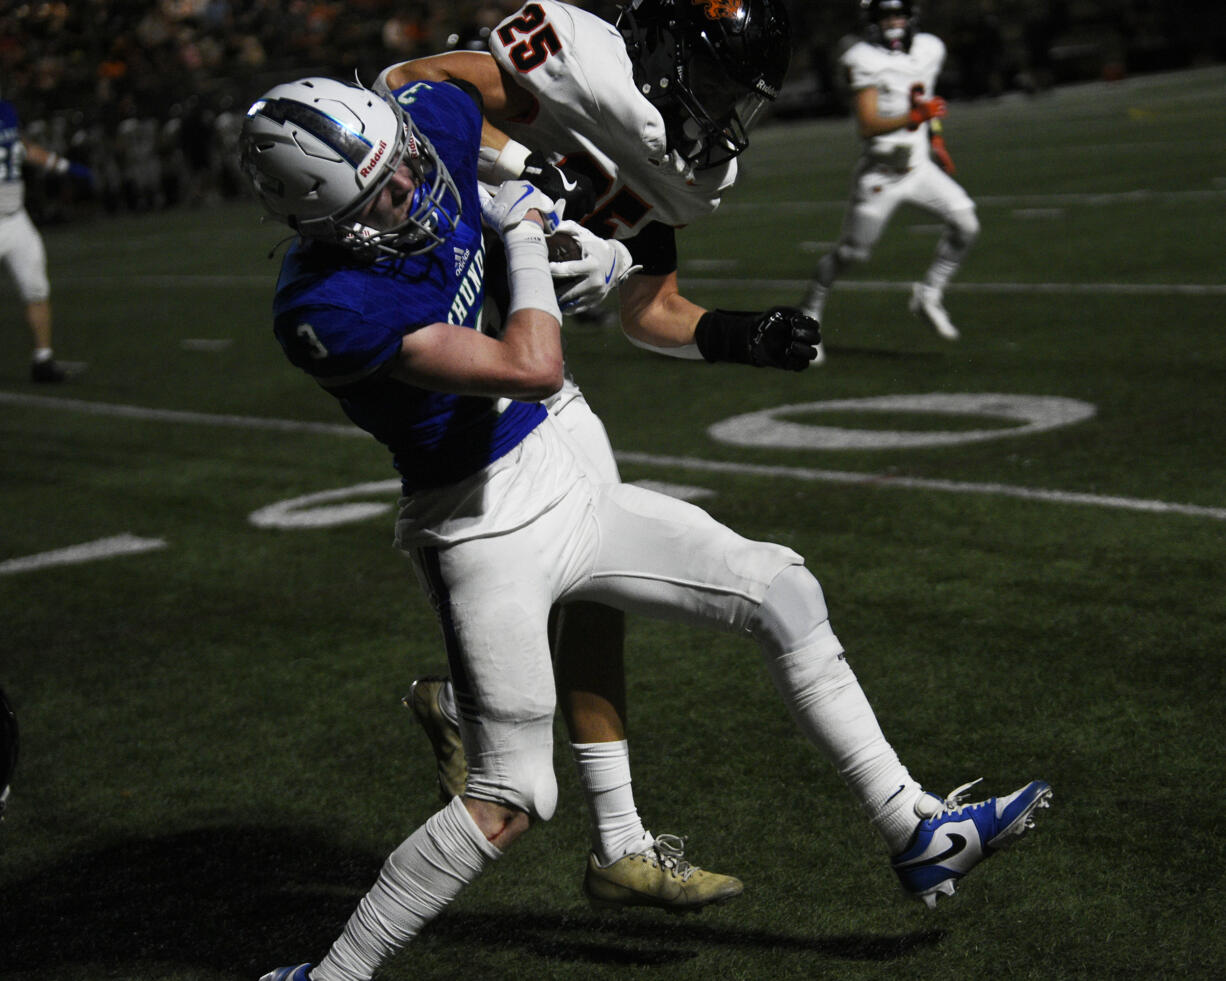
379 302
892 71
21 245
9 742
648 118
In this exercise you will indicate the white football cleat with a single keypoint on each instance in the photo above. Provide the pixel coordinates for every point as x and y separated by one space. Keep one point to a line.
926 304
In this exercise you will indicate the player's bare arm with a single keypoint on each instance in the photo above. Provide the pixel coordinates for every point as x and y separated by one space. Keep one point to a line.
654 312
501 97
870 120
525 363
873 123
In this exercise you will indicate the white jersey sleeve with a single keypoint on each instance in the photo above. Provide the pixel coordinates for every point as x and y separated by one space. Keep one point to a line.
893 74
588 111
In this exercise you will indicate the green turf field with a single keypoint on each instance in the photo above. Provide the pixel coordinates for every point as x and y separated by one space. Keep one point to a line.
214 758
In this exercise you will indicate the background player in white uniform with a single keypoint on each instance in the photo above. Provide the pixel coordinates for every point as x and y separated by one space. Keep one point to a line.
499 516
652 114
21 246
892 71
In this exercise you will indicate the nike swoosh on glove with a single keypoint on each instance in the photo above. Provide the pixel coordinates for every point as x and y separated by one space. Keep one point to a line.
510 204
571 191
584 282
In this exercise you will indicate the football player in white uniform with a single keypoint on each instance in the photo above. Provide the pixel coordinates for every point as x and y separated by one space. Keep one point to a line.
499 515
892 71
651 116
21 245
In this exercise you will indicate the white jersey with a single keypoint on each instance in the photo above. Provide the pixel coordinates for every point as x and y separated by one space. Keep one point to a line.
589 112
893 74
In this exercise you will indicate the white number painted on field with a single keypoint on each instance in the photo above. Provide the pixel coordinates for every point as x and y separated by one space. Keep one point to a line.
769 427
778 429
326 509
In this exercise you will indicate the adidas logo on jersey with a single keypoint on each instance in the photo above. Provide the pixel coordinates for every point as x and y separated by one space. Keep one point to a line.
470 269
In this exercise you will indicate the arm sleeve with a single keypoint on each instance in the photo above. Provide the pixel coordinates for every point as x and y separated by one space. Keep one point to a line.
655 249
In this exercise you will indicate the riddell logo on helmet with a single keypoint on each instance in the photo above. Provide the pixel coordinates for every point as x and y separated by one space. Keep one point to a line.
719 9
368 168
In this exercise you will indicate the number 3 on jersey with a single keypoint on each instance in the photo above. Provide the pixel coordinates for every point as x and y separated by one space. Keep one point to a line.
539 41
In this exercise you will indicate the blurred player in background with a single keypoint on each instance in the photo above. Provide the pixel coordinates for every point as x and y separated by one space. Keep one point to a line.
892 71
21 245
379 302
9 744
639 128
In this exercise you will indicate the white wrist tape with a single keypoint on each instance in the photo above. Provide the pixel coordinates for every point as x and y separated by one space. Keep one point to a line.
496 166
528 271
687 352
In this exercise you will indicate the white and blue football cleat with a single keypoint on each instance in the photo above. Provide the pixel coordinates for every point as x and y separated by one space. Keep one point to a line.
299 973
954 837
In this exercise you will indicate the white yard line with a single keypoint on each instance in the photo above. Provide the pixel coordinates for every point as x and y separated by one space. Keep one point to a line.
650 459
878 285
103 548
1106 289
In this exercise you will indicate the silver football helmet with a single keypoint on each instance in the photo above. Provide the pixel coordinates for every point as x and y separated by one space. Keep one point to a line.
318 151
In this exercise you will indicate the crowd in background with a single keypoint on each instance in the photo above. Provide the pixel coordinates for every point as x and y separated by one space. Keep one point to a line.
150 93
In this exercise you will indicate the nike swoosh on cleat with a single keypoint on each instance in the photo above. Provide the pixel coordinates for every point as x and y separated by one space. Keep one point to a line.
957 845
570 185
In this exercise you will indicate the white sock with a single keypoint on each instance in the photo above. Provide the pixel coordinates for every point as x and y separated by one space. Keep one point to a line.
807 664
604 772
950 254
417 881
42 354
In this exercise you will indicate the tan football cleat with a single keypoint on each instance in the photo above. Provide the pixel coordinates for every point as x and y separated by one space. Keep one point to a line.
659 877
443 734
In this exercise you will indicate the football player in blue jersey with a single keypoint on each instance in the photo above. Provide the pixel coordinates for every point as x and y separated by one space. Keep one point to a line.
651 115
379 302
21 246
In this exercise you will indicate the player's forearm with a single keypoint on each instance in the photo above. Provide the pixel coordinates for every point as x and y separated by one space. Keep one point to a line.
870 122
532 338
432 68
655 316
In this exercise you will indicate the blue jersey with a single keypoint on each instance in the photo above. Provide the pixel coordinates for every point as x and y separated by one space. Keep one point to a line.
12 157
342 320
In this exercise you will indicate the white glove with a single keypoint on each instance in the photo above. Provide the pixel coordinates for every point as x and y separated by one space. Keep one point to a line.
507 207
604 265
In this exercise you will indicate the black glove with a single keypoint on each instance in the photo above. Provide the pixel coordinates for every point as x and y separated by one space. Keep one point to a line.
561 185
782 337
